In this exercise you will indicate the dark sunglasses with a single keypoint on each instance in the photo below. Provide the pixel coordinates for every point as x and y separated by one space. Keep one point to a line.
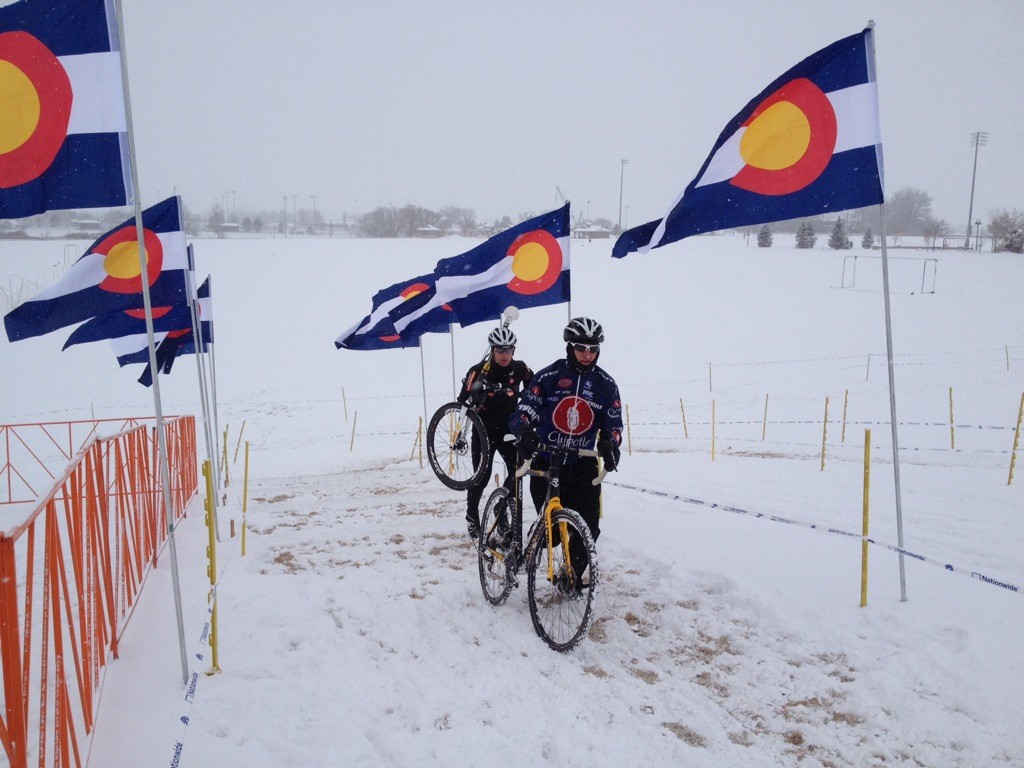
505 349
595 348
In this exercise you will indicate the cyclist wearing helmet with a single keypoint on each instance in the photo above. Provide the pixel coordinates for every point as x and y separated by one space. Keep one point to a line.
498 368
572 403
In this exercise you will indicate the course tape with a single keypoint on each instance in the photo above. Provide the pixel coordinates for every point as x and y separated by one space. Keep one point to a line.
185 714
775 518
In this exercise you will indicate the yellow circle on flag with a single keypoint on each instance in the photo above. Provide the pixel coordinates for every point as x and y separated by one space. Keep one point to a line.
122 261
777 138
19 107
530 261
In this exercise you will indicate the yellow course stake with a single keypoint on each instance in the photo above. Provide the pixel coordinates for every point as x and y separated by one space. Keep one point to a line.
712 429
245 494
683 412
629 438
239 443
764 423
1016 440
952 436
846 402
211 568
824 435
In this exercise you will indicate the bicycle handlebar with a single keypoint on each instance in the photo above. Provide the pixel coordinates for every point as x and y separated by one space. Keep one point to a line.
526 465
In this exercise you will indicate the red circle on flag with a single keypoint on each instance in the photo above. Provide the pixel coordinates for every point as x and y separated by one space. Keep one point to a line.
536 262
812 102
573 416
34 72
154 260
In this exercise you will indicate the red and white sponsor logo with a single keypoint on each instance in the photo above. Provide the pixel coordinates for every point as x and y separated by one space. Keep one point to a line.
573 416
565 382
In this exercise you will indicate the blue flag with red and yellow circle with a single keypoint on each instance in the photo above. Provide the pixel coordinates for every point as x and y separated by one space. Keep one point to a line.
527 265
63 126
809 143
377 331
108 278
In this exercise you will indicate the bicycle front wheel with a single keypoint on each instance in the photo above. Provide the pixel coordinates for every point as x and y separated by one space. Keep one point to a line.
494 551
450 436
561 587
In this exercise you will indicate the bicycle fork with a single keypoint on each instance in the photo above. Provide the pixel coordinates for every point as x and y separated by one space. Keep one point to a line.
553 506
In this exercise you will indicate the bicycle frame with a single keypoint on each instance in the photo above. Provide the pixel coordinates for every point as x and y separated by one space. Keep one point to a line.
552 503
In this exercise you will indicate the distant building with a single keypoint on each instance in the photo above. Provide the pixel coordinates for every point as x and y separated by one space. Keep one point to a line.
588 231
429 231
86 225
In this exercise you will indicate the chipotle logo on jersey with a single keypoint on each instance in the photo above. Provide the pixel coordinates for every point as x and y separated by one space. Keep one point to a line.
573 416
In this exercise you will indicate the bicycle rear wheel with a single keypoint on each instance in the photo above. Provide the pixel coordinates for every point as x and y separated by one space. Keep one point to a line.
562 604
450 436
494 547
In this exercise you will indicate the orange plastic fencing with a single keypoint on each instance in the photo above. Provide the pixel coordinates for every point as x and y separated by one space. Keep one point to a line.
32 455
70 577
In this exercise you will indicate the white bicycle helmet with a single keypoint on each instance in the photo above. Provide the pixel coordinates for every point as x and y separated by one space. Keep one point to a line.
583 330
501 337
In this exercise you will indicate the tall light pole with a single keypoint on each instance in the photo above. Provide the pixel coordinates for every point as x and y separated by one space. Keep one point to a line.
978 139
314 211
295 213
622 173
285 219
233 215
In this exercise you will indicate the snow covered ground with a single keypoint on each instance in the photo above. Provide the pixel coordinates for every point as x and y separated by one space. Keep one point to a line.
353 632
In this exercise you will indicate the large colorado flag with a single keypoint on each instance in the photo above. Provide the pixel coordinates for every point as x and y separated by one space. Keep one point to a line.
63 129
809 143
108 278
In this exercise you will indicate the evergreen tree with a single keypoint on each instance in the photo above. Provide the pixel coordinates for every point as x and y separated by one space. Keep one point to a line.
805 237
838 241
868 240
764 237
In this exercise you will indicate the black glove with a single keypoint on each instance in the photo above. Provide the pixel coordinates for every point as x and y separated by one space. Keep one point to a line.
527 441
610 453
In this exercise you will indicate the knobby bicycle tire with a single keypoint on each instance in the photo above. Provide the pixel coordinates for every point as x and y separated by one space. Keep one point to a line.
450 437
493 548
563 607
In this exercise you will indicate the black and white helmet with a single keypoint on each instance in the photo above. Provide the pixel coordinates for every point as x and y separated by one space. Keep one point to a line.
501 337
583 330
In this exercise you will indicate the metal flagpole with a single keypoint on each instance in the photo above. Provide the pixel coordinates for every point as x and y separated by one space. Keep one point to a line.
165 470
423 381
196 331
872 76
451 335
213 390
892 408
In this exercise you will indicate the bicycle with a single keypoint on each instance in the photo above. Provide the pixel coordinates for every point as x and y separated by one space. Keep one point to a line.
457 439
560 589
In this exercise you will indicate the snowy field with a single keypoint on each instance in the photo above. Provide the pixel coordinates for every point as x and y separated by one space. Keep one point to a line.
354 632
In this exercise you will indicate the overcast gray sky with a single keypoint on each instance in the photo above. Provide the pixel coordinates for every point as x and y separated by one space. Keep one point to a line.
490 105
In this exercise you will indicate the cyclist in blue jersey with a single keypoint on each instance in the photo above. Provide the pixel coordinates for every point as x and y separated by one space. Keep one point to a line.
572 403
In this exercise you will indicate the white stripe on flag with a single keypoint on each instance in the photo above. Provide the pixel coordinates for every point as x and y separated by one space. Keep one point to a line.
98 103
856 111
461 286
88 271
126 345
